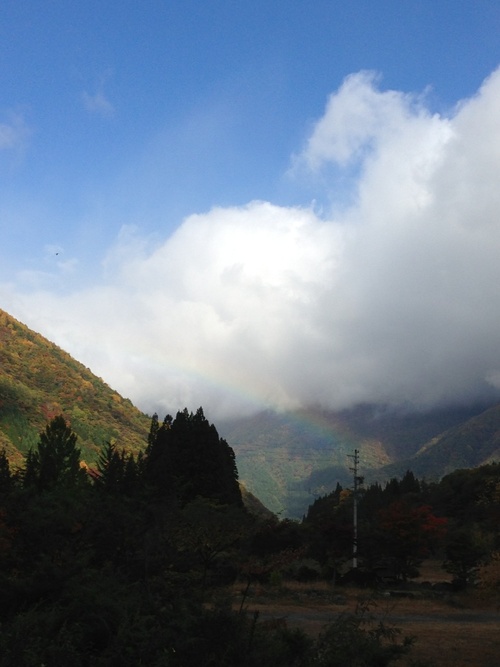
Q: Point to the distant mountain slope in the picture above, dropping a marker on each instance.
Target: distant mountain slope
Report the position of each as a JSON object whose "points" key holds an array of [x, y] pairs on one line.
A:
{"points": [[470, 444], [38, 380], [403, 433], [289, 459]]}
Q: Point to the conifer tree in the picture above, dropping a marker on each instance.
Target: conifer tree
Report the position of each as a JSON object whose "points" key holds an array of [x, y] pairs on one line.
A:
{"points": [[153, 431], [186, 459], [56, 460], [6, 479], [131, 474], [156, 465], [111, 469]]}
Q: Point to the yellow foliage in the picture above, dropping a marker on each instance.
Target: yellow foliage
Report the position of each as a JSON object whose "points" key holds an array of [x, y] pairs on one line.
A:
{"points": [[345, 494]]}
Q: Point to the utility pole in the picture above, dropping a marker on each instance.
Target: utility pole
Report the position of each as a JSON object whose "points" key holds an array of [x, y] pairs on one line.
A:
{"points": [[357, 481]]}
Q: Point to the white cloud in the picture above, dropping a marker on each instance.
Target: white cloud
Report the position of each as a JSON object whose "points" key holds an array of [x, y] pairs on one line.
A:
{"points": [[395, 300], [359, 118], [97, 103], [13, 133], [8, 136]]}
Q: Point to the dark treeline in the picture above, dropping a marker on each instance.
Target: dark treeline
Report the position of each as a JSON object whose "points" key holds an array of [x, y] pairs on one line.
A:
{"points": [[126, 563], [407, 521]]}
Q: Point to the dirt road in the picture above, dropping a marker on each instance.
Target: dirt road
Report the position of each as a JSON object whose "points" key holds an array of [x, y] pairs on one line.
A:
{"points": [[449, 631]]}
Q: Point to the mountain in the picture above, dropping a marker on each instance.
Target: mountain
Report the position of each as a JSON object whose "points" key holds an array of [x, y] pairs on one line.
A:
{"points": [[287, 460], [470, 444], [38, 381]]}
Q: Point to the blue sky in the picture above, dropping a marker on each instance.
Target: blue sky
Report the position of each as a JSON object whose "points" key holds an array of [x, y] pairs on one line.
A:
{"points": [[120, 120]]}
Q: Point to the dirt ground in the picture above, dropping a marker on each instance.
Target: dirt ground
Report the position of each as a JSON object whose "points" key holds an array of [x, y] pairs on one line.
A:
{"points": [[450, 629]]}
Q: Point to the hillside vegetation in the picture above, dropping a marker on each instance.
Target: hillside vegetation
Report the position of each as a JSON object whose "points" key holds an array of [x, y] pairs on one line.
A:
{"points": [[289, 459], [38, 381]]}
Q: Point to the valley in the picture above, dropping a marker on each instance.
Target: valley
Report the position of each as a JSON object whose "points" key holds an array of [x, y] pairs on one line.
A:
{"points": [[286, 460]]}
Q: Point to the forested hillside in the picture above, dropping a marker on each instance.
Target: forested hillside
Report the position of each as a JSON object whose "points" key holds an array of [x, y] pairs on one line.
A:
{"points": [[472, 443], [38, 381], [289, 459]]}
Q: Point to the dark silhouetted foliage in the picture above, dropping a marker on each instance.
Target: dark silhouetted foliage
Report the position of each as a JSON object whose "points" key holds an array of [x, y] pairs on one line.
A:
{"points": [[126, 564], [186, 458], [56, 459]]}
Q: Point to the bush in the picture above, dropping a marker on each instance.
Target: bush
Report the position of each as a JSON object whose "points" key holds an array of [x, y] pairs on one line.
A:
{"points": [[356, 640]]}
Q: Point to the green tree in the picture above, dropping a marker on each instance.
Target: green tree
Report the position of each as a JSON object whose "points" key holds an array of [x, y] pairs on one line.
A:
{"points": [[132, 474], [6, 478], [465, 549], [186, 458], [156, 467], [56, 460], [153, 430], [110, 469], [209, 532], [328, 530]]}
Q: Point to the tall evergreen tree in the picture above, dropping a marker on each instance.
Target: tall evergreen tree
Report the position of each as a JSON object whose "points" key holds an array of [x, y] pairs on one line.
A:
{"points": [[6, 478], [156, 465], [56, 460], [111, 469], [153, 431], [188, 459], [131, 474]]}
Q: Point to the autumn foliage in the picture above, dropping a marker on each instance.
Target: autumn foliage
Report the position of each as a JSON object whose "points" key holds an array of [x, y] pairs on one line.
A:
{"points": [[410, 534]]}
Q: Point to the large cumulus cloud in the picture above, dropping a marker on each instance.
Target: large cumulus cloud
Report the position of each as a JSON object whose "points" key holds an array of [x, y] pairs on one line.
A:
{"points": [[391, 298]]}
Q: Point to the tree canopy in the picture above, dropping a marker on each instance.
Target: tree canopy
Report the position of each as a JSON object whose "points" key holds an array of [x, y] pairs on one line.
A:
{"points": [[186, 458], [56, 459]]}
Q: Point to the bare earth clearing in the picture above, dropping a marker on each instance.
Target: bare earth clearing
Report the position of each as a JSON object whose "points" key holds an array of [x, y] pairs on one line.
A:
{"points": [[450, 629]]}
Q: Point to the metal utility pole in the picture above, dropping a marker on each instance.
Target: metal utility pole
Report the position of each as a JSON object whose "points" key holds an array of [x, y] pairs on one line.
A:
{"points": [[357, 481]]}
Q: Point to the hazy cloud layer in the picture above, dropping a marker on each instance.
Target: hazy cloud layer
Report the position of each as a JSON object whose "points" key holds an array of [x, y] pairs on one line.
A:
{"points": [[13, 133], [98, 102], [396, 299]]}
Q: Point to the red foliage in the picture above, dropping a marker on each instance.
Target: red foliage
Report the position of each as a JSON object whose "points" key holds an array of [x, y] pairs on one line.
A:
{"points": [[414, 529]]}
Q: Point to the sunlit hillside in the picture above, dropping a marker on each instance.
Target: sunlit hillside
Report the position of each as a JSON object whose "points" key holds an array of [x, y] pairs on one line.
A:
{"points": [[38, 380]]}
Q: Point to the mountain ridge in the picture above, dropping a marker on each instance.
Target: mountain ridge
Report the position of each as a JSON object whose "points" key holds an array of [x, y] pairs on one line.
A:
{"points": [[473, 443], [288, 483], [39, 380]]}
